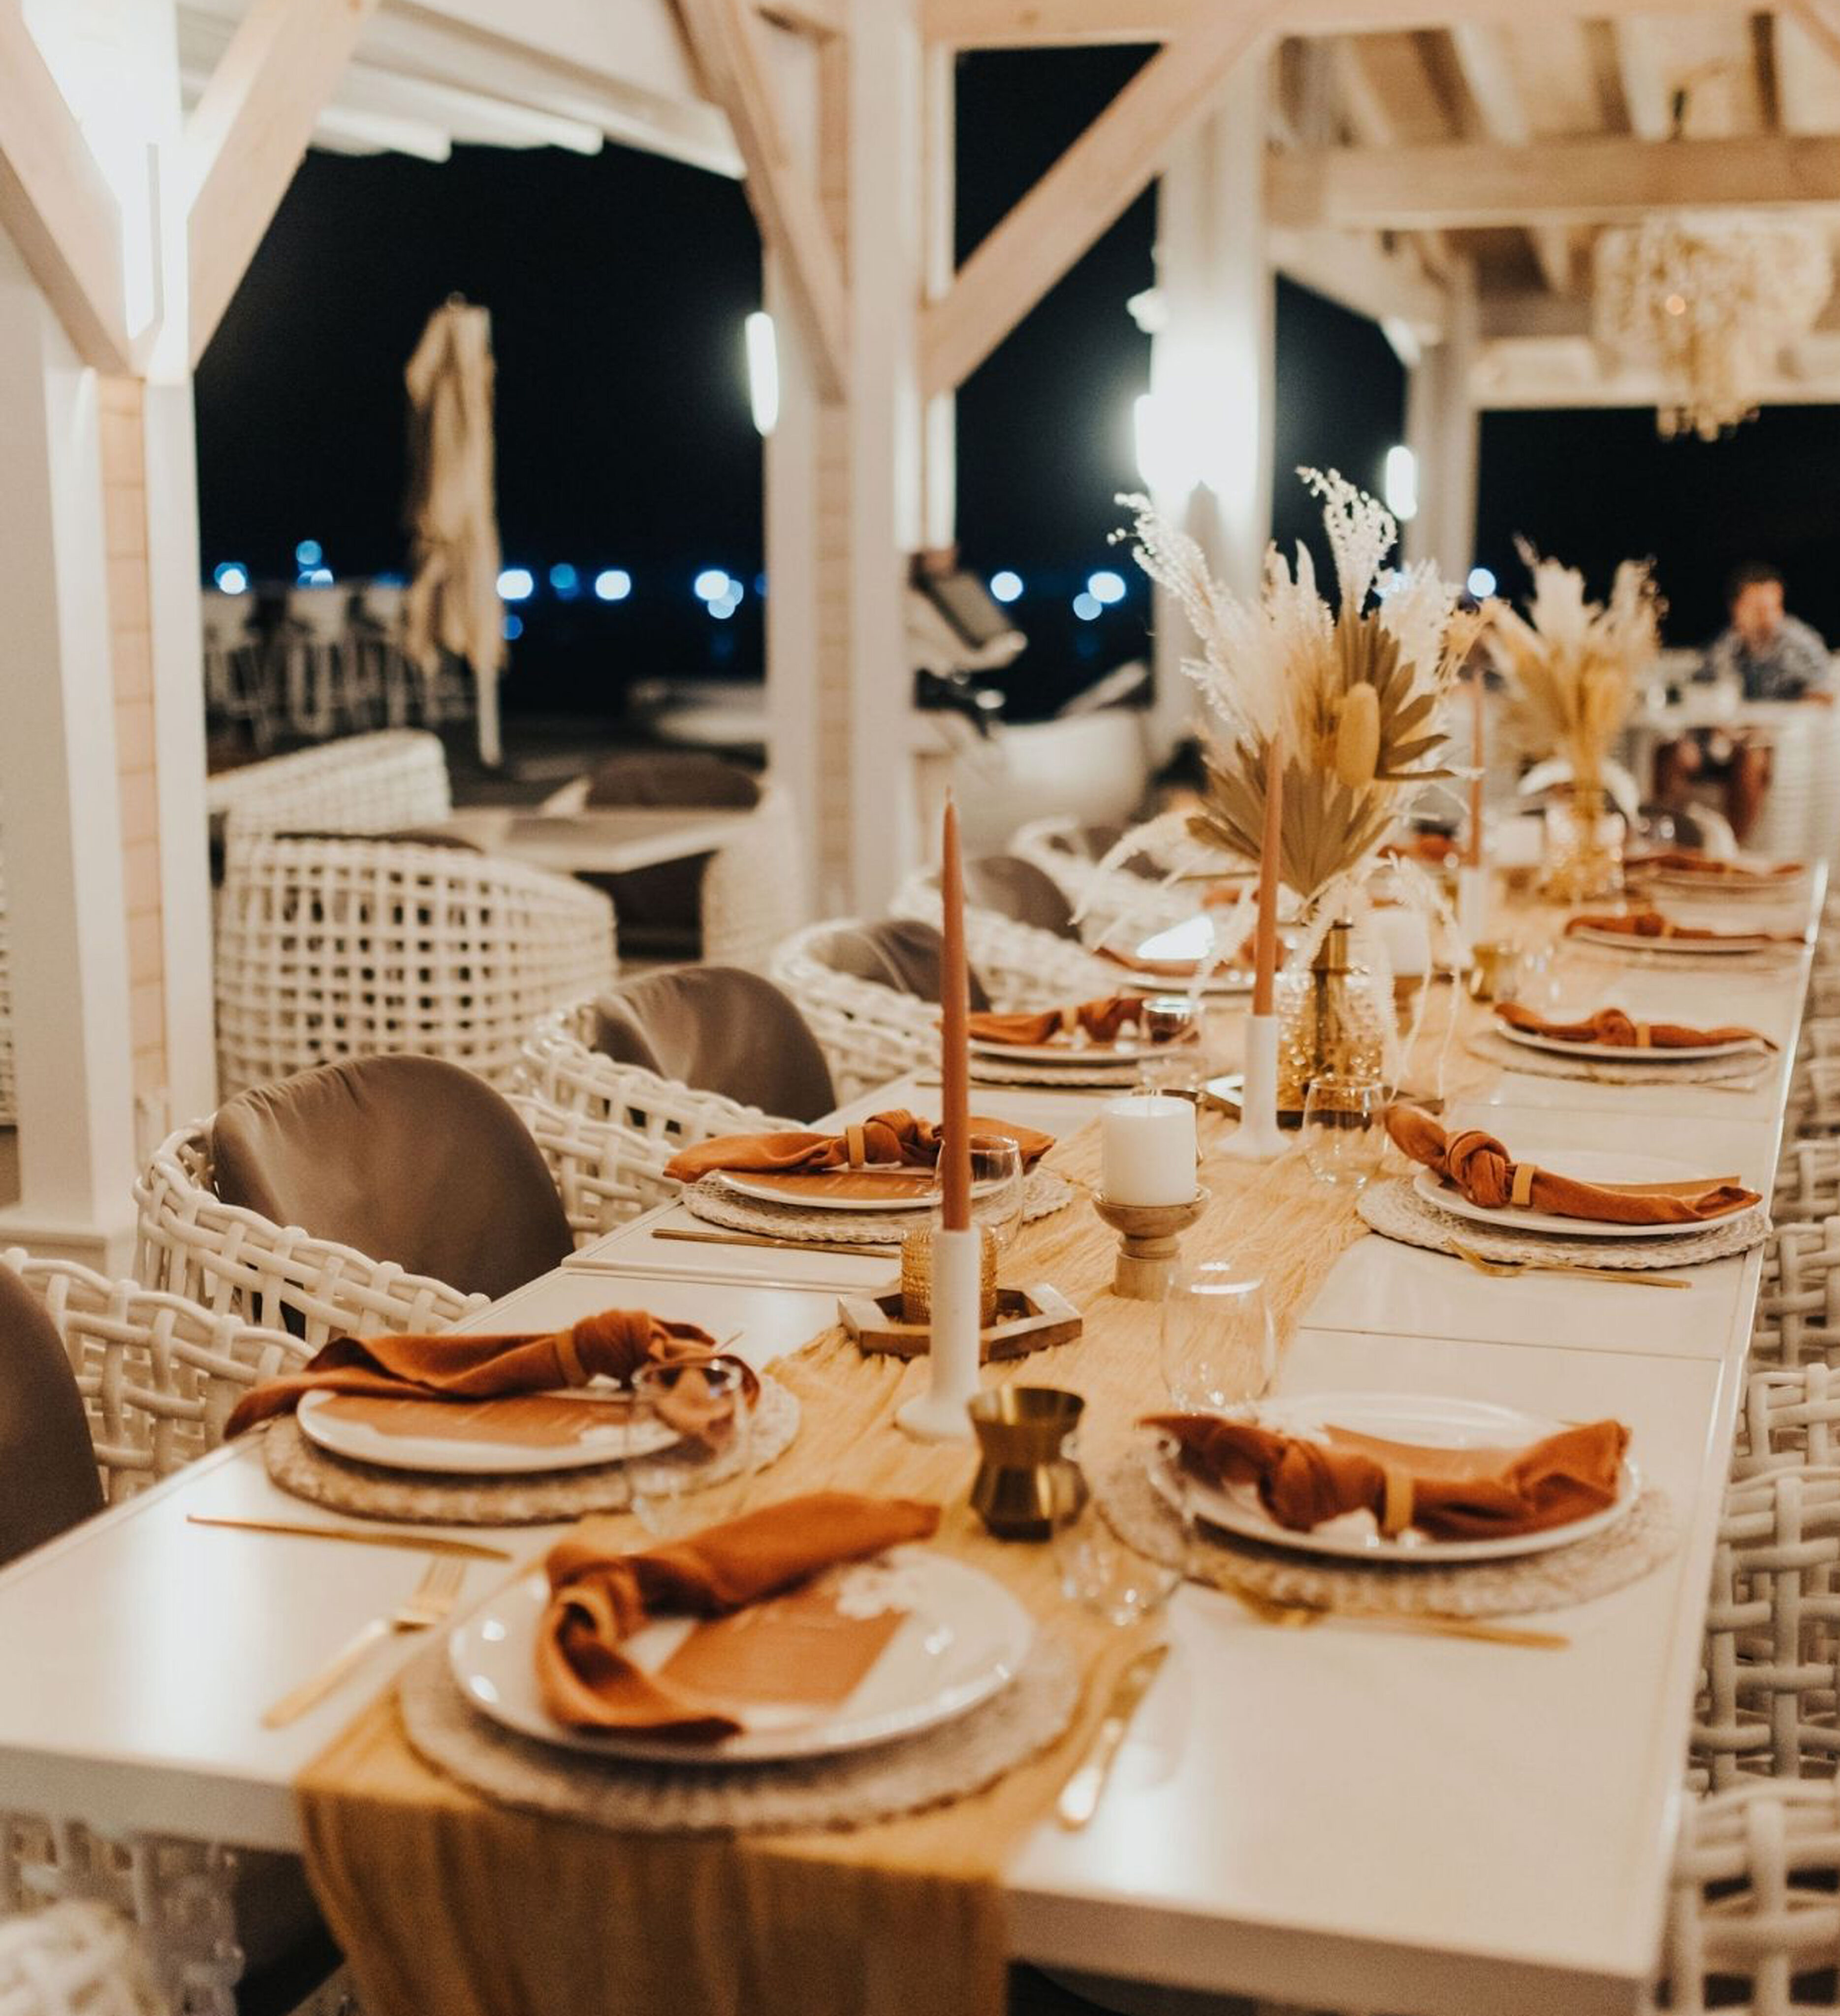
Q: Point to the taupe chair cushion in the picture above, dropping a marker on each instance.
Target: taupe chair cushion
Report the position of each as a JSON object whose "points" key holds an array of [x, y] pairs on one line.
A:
{"points": [[720, 1029], [902, 953], [48, 1474], [1018, 889], [409, 1159], [674, 777], [660, 909]]}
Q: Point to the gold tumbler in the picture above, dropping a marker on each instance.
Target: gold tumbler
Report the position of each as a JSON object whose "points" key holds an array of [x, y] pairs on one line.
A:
{"points": [[916, 1276]]}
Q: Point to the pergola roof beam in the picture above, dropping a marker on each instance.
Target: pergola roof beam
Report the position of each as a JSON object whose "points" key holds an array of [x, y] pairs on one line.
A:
{"points": [[1489, 76]]}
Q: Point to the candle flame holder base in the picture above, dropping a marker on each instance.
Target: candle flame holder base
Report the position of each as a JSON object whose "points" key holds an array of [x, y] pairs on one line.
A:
{"points": [[1258, 1138], [1150, 1244]]}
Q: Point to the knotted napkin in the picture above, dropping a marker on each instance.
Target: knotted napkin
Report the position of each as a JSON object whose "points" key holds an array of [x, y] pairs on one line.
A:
{"points": [[1677, 863], [1622, 1032], [898, 1138], [613, 1344], [1652, 924], [599, 1596], [1482, 1168], [1450, 1494], [1101, 1020]]}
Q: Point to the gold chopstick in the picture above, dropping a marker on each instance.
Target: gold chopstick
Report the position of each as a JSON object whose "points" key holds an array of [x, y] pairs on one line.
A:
{"points": [[432, 1543], [868, 1250]]}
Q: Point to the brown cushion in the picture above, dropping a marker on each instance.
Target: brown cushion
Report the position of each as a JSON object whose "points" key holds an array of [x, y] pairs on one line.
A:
{"points": [[722, 1030], [1017, 889], [409, 1159], [674, 777], [48, 1474], [902, 953]]}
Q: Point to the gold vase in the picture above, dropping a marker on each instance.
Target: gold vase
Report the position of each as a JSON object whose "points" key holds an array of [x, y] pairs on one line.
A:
{"points": [[1583, 853], [1332, 1018]]}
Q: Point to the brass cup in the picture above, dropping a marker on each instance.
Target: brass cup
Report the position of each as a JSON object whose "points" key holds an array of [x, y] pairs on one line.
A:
{"points": [[1024, 1485], [1494, 966]]}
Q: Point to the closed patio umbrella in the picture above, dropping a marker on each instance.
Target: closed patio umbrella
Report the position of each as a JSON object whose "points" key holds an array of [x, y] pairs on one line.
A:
{"points": [[453, 604]]}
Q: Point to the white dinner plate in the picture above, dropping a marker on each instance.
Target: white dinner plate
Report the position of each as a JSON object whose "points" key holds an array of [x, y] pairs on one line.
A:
{"points": [[765, 1191], [1717, 889], [363, 1443], [1434, 1420], [1719, 948], [1590, 1166], [1624, 1054], [1122, 1052], [963, 1638]]}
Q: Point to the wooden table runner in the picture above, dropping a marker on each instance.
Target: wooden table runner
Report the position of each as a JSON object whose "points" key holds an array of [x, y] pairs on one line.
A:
{"points": [[444, 1903]]}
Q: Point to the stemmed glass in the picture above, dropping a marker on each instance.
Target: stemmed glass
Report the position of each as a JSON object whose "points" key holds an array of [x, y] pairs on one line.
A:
{"points": [[1218, 1344], [692, 1425]]}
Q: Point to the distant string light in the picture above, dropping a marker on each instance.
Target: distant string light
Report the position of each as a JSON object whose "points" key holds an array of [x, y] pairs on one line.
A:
{"points": [[1086, 608], [308, 555], [1401, 483], [1481, 583], [1106, 587], [1006, 584], [231, 576], [564, 580], [513, 628], [763, 371], [612, 585], [319, 577], [711, 586], [517, 584]]}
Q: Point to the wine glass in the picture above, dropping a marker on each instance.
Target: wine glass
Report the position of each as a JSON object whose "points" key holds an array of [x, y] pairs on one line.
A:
{"points": [[1344, 1128], [1219, 1346], [1103, 1573], [693, 1424], [997, 1186]]}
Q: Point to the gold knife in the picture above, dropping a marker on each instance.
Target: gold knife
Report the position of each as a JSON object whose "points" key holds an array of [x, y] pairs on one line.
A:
{"points": [[1081, 1795], [846, 1249], [432, 1543]]}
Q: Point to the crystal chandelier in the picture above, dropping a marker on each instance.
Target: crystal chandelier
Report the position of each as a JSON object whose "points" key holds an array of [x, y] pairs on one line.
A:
{"points": [[1712, 301]]}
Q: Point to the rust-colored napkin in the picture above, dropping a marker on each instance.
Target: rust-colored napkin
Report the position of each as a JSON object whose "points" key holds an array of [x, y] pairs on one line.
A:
{"points": [[613, 1344], [1101, 1020], [1472, 1494], [898, 1137], [1652, 924], [600, 1595], [1612, 1026], [1677, 863], [1482, 1168]]}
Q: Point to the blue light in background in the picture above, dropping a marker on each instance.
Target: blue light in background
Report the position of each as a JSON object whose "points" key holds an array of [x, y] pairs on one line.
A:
{"points": [[317, 576], [308, 555], [1006, 584], [231, 576], [1086, 608], [613, 584], [760, 586], [513, 628], [565, 581], [1482, 583], [711, 585], [515, 584], [1106, 587], [722, 611]]}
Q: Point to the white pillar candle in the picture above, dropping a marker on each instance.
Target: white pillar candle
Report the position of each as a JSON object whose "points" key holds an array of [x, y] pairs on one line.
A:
{"points": [[1407, 938], [1147, 1150]]}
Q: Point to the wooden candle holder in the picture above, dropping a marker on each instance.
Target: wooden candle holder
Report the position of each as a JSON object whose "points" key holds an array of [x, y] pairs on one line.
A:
{"points": [[1150, 1244]]}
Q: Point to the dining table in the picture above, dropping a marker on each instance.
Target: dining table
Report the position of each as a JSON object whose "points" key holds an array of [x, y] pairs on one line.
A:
{"points": [[609, 839], [1349, 1817]]}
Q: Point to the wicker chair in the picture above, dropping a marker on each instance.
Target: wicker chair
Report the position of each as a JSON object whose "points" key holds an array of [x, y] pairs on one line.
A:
{"points": [[78, 1958], [335, 947], [1120, 903], [869, 1033], [8, 1085], [363, 783], [1807, 1182], [1021, 965], [1753, 1921], [237, 1263], [754, 889], [1798, 1320]]}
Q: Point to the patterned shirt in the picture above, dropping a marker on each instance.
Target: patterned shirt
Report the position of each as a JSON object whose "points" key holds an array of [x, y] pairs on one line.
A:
{"points": [[1794, 662]]}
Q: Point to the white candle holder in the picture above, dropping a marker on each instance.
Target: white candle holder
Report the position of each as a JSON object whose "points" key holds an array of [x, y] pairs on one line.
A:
{"points": [[1150, 1244], [1472, 905], [1258, 1138], [938, 1414]]}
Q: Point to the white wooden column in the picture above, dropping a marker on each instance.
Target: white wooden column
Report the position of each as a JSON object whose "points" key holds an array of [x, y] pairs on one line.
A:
{"points": [[939, 183], [1213, 365], [59, 808], [1442, 430]]}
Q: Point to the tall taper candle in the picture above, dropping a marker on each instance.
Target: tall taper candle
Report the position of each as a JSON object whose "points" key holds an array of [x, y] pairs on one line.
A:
{"points": [[1478, 757], [955, 1068], [1265, 938]]}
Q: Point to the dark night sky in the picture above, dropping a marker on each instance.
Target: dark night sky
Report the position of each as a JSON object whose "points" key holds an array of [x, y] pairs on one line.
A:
{"points": [[617, 285]]}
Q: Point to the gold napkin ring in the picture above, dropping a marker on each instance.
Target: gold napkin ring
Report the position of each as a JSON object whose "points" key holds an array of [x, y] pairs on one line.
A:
{"points": [[856, 1145], [1395, 1511], [1070, 1021], [1644, 1039], [569, 1358], [1522, 1188]]}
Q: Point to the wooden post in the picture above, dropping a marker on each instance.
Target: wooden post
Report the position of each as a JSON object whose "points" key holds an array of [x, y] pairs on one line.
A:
{"points": [[1442, 430]]}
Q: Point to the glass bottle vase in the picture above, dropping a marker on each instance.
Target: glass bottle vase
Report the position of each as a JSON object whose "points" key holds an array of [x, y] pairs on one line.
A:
{"points": [[1583, 861], [1332, 1019]]}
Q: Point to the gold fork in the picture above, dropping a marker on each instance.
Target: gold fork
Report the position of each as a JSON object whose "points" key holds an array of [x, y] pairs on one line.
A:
{"points": [[1300, 1616], [428, 1604], [1507, 1270]]}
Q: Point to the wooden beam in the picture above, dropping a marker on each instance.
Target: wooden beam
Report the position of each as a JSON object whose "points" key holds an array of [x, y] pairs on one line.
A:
{"points": [[55, 205], [1362, 275], [1489, 76], [1519, 315], [1645, 95], [1567, 372], [725, 39], [823, 18], [1015, 24], [247, 133], [1087, 189], [1478, 187]]}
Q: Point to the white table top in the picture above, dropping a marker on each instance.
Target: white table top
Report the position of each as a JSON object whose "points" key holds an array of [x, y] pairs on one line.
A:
{"points": [[604, 840], [1342, 1816]]}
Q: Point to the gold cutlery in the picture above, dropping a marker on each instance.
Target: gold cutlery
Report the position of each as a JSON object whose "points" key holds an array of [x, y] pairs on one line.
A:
{"points": [[433, 1596], [471, 1550], [1086, 1786], [868, 1250], [1507, 1270], [1301, 1616]]}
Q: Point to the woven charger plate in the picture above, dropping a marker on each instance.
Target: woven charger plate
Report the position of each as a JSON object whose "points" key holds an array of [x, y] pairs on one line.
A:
{"points": [[418, 1498], [1553, 1580], [1042, 1194], [1084, 1077], [1393, 1208], [950, 1762], [1497, 1049]]}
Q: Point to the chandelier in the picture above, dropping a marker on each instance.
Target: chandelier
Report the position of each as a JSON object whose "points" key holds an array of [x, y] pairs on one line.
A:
{"points": [[1711, 302]]}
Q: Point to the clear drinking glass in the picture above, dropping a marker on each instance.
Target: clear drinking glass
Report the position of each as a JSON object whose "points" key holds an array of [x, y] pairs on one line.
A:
{"points": [[1344, 1130], [1173, 1056], [997, 1182], [1100, 1572], [693, 1426], [1219, 1345]]}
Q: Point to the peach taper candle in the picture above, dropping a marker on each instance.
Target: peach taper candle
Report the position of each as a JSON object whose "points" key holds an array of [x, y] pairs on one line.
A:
{"points": [[954, 1065], [1265, 940]]}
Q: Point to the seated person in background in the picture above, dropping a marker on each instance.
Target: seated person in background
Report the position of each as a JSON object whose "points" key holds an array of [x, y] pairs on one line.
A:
{"points": [[1768, 655]]}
